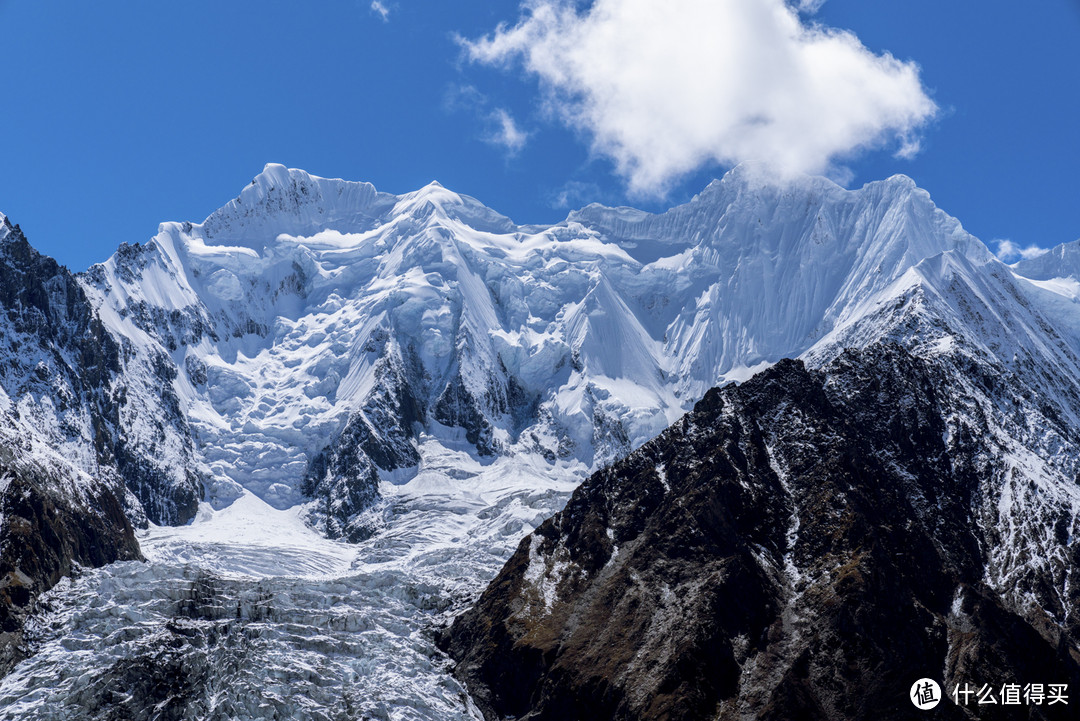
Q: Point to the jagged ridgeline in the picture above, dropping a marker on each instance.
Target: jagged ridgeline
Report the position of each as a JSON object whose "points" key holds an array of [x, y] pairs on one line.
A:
{"points": [[420, 369]]}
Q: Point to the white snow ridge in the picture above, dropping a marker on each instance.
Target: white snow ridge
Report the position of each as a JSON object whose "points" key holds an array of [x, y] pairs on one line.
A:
{"points": [[422, 376]]}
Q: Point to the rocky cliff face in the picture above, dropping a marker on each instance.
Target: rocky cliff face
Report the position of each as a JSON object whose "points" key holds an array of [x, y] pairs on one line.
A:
{"points": [[805, 545], [64, 458], [73, 398]]}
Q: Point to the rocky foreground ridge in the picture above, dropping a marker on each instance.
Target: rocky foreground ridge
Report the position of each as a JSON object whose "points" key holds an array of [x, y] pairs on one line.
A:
{"points": [[802, 546]]}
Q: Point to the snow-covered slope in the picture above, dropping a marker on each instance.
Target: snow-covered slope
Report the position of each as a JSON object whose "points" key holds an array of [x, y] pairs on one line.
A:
{"points": [[318, 328]]}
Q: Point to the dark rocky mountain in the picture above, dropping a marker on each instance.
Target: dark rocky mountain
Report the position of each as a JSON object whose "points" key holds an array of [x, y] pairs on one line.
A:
{"points": [[75, 474], [72, 385], [803, 546], [63, 458]]}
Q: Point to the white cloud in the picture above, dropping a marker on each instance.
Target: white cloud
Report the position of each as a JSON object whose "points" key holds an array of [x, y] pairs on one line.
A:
{"points": [[574, 194], [1010, 252], [381, 9], [507, 134], [810, 6], [665, 88], [463, 97], [500, 128]]}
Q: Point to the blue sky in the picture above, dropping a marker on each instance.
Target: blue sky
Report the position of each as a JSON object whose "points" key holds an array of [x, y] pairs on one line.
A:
{"points": [[119, 115]]}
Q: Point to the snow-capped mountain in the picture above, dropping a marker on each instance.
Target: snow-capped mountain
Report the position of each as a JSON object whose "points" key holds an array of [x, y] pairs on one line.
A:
{"points": [[973, 438], [420, 369], [318, 329]]}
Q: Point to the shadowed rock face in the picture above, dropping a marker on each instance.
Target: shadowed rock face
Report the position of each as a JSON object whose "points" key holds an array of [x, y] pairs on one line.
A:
{"points": [[44, 534], [803, 546]]}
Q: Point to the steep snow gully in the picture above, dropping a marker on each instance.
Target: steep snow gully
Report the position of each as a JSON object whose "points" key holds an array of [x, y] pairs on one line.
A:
{"points": [[330, 415]]}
